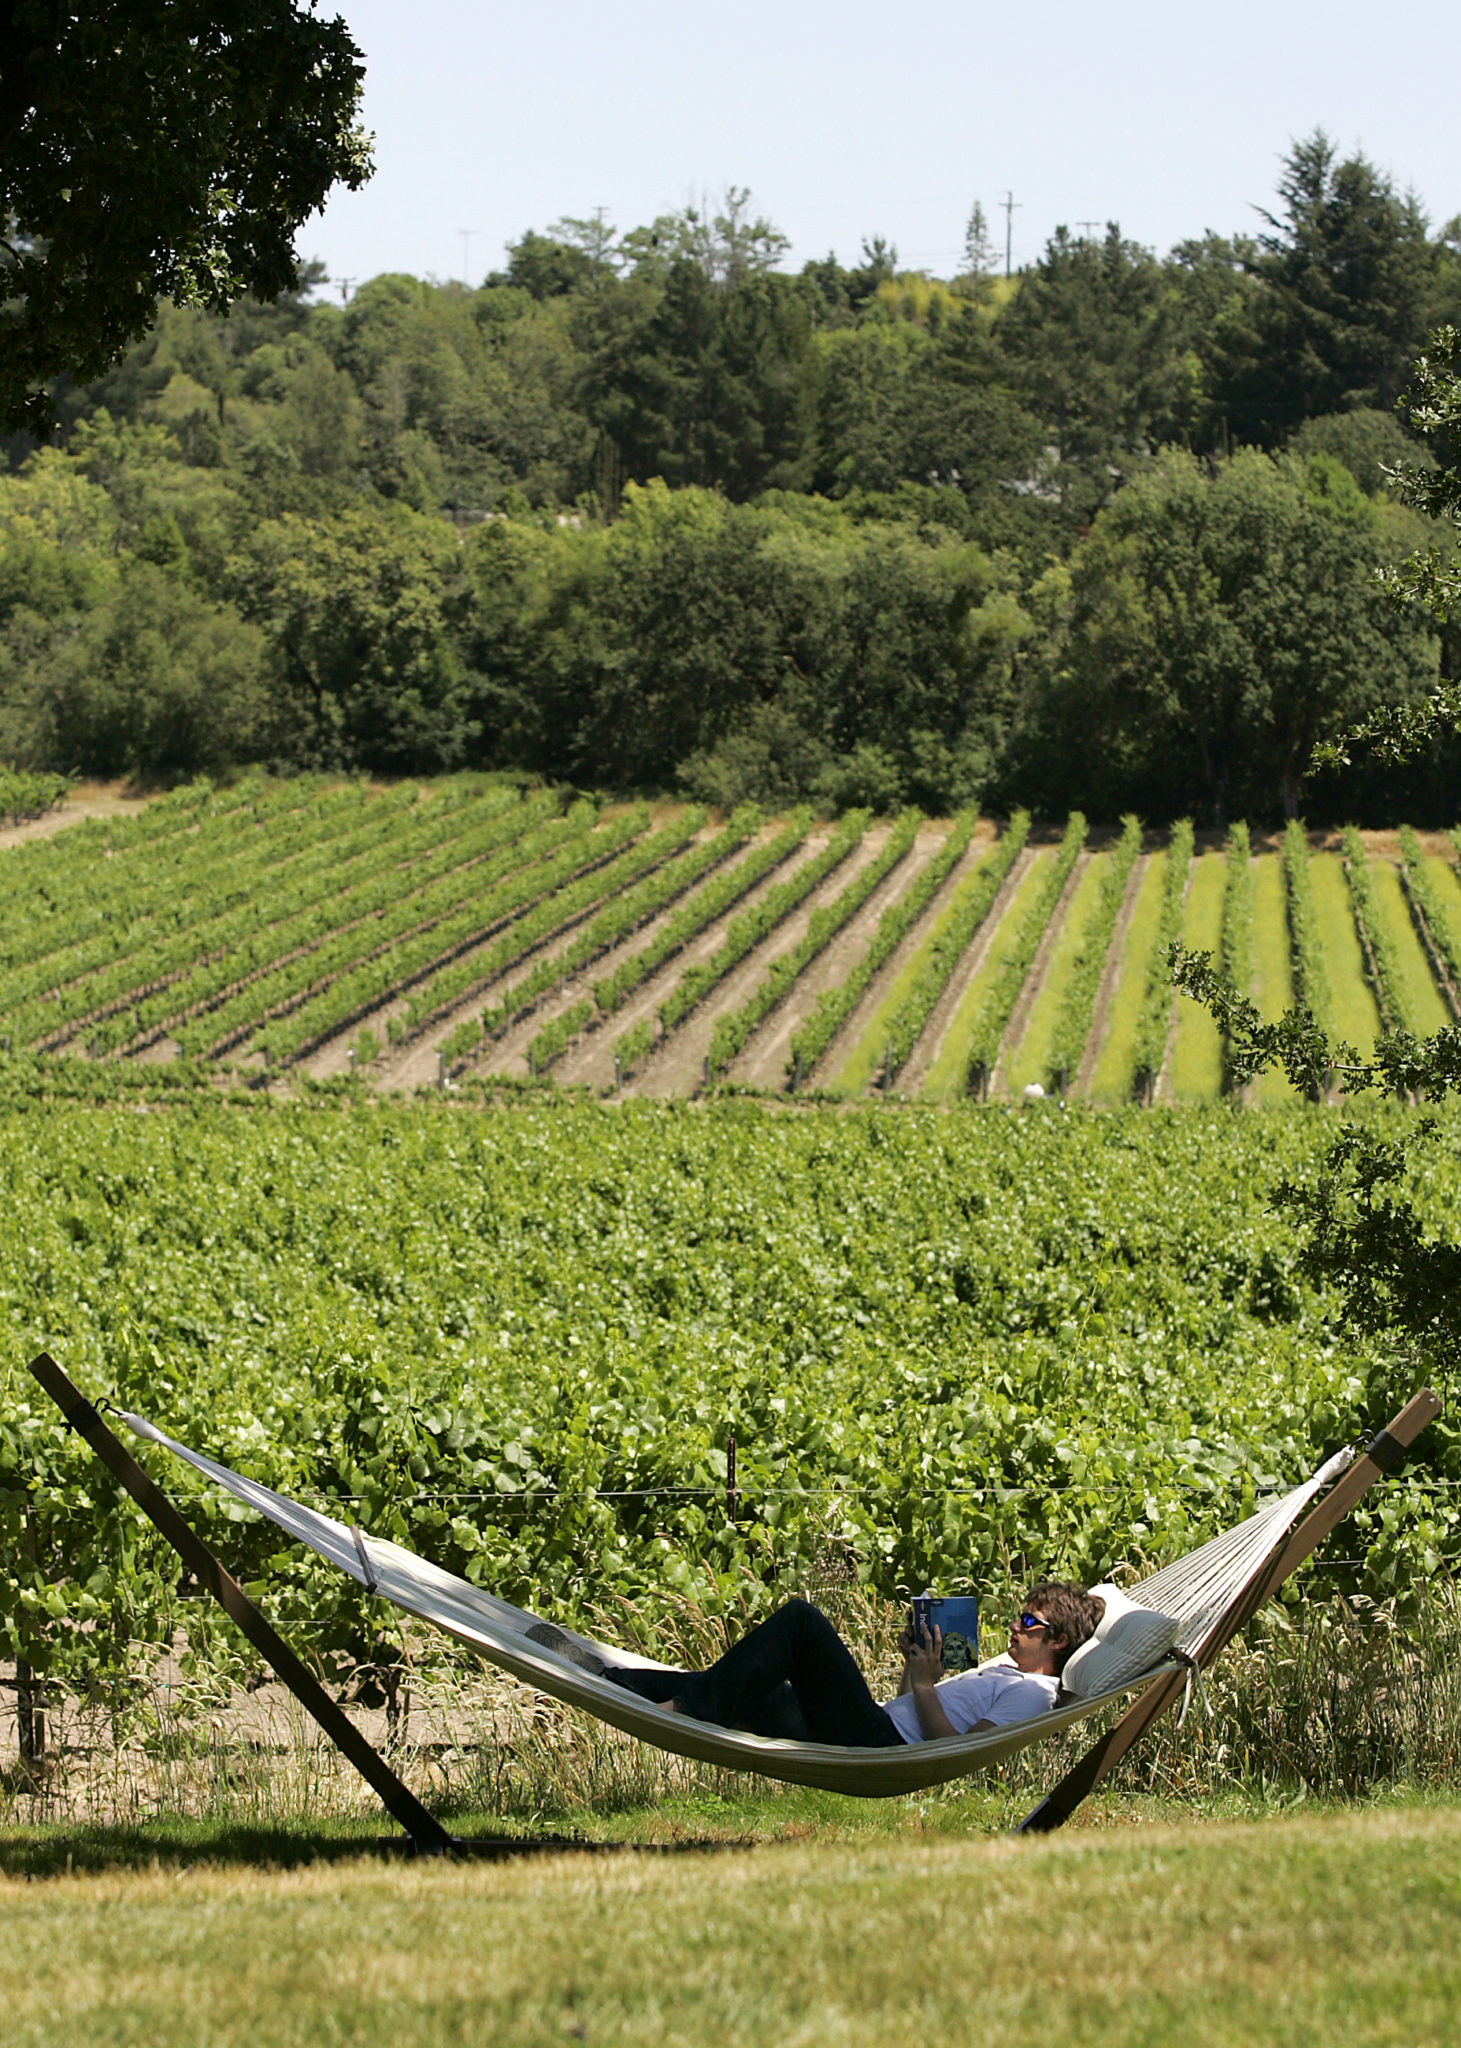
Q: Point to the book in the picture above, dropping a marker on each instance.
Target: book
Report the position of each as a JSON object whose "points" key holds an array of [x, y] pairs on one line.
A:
{"points": [[958, 1620]]}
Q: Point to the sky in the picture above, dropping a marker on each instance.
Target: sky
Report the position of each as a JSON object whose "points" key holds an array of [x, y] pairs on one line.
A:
{"points": [[856, 120]]}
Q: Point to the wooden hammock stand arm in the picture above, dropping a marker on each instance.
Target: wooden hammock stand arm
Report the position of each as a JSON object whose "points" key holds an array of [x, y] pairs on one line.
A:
{"points": [[1385, 1453], [426, 1834]]}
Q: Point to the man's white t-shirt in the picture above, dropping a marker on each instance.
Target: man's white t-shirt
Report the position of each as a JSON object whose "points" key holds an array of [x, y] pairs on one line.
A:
{"points": [[998, 1691]]}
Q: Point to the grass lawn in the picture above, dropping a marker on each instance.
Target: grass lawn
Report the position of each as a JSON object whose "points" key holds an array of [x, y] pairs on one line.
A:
{"points": [[1421, 1007], [1353, 1007], [1273, 979], [1295, 1930], [945, 1077], [863, 1061], [1032, 1061], [1197, 1055]]}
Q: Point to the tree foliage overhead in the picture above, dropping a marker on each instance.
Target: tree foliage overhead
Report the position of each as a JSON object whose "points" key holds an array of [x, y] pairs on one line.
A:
{"points": [[157, 148]]}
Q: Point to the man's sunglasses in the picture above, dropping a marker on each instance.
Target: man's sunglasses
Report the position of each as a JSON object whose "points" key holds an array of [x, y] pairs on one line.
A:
{"points": [[1028, 1623]]}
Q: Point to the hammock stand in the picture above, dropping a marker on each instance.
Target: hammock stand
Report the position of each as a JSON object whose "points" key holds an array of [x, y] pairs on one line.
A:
{"points": [[564, 1665]]}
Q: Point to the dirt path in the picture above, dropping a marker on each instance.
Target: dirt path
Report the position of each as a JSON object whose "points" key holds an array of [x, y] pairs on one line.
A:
{"points": [[1039, 974], [677, 1065], [1110, 980], [911, 1079], [590, 1062], [87, 800], [842, 1046], [764, 1062]]}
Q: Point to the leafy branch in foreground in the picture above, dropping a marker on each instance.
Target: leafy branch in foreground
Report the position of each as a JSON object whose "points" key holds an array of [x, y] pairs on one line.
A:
{"points": [[1362, 1239], [1372, 1247], [1401, 1064]]}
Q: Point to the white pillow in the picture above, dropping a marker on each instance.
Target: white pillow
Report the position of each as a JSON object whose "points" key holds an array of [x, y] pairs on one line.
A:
{"points": [[1129, 1640]]}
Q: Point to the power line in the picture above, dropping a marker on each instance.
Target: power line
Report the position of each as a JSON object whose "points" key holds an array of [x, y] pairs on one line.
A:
{"points": [[467, 235], [1009, 203]]}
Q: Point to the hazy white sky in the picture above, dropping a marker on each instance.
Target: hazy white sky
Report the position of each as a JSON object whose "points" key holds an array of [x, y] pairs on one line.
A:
{"points": [[856, 120]]}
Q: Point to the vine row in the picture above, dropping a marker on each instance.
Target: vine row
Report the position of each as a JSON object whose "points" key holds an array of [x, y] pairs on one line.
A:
{"points": [[1073, 1022], [1003, 990], [1156, 1002], [836, 1005], [1236, 945], [733, 1029], [745, 932], [949, 945], [1311, 983]]}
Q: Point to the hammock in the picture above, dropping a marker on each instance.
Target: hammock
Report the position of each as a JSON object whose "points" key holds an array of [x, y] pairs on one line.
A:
{"points": [[1201, 1592]]}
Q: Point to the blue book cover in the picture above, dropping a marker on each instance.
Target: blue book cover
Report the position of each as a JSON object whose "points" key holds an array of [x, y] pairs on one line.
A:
{"points": [[959, 1621]]}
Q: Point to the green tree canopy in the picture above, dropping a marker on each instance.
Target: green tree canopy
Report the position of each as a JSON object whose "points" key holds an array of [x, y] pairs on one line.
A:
{"points": [[1220, 625], [1351, 281], [156, 148]]}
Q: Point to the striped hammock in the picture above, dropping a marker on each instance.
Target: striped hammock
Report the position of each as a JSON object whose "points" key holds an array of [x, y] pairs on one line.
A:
{"points": [[1200, 1591]]}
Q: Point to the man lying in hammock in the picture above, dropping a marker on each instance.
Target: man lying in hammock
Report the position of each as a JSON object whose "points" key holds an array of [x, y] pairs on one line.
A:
{"points": [[794, 1678]]}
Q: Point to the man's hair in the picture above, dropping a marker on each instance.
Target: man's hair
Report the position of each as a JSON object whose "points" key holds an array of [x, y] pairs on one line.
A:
{"points": [[1070, 1610]]}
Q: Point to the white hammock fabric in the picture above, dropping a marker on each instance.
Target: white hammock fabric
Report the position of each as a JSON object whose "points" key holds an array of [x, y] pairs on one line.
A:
{"points": [[1199, 1591]]}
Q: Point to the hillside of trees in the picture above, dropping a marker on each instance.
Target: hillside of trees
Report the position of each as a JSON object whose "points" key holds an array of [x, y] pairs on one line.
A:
{"points": [[647, 510]]}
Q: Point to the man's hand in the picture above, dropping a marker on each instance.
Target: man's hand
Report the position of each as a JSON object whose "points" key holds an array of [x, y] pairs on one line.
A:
{"points": [[922, 1660], [922, 1670]]}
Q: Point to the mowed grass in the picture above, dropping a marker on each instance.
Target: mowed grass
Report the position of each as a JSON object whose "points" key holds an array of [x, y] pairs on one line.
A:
{"points": [[866, 1056], [1273, 976], [1032, 1061], [1352, 1006], [1294, 1931], [1197, 1054], [1447, 885], [944, 1079], [1418, 998], [1115, 1067]]}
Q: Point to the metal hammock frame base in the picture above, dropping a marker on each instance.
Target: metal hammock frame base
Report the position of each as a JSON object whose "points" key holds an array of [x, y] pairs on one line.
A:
{"points": [[427, 1836]]}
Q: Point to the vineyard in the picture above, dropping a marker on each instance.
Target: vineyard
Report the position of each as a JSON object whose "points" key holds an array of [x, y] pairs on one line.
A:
{"points": [[958, 1348], [275, 935], [952, 1347]]}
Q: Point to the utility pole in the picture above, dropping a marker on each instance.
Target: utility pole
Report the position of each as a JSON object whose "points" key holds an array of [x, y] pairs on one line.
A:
{"points": [[1087, 226], [345, 284], [467, 235], [1009, 203]]}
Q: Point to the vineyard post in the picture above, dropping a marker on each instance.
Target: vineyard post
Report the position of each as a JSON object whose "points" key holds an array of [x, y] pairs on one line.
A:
{"points": [[440, 1068], [30, 1712], [618, 1071], [730, 1477]]}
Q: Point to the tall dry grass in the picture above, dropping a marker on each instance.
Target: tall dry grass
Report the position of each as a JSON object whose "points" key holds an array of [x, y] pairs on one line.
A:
{"points": [[1329, 1698]]}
